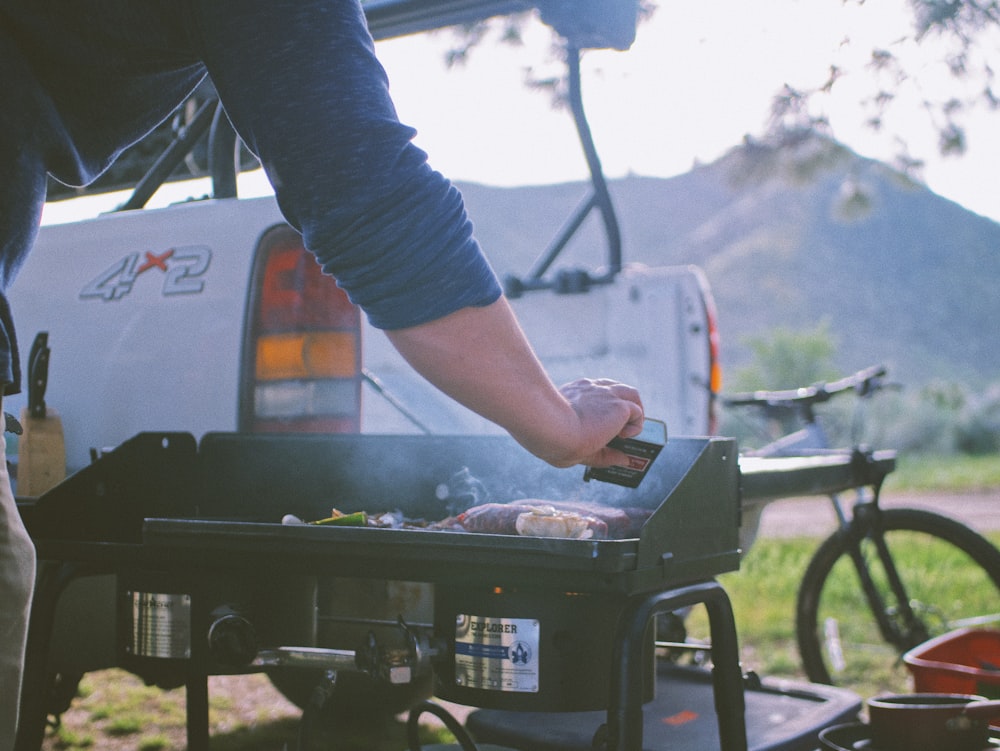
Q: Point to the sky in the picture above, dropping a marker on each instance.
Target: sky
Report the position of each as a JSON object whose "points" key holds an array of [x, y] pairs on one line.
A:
{"points": [[700, 76]]}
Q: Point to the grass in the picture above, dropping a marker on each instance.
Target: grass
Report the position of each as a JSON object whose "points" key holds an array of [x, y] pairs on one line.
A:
{"points": [[764, 591], [114, 711], [64, 738], [763, 598], [951, 473]]}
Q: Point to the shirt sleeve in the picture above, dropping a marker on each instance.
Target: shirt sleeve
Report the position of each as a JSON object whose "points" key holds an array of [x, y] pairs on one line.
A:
{"points": [[302, 86]]}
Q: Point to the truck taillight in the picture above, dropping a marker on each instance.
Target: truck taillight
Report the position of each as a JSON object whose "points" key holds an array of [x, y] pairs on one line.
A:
{"points": [[302, 355], [714, 364]]}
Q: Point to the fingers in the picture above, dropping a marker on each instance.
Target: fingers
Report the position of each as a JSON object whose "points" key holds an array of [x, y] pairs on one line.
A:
{"points": [[605, 409], [607, 457], [636, 417]]}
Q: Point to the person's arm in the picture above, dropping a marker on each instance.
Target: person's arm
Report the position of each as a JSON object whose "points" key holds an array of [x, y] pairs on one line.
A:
{"points": [[480, 357]]}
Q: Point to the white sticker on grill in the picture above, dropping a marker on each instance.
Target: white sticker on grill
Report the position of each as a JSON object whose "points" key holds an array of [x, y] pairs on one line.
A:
{"points": [[497, 654]]}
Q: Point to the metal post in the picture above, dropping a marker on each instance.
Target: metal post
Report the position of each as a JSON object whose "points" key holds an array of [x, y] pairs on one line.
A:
{"points": [[625, 710], [196, 701], [52, 581]]}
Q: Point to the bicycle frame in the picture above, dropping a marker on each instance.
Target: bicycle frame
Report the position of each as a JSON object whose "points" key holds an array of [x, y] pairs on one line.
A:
{"points": [[861, 522], [811, 439], [863, 536], [865, 524]]}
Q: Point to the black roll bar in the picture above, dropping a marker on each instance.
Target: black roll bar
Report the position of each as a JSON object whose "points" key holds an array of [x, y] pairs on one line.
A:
{"points": [[223, 155], [184, 140], [577, 280]]}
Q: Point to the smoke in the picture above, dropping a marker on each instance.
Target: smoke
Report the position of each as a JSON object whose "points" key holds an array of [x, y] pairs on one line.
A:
{"points": [[462, 491]]}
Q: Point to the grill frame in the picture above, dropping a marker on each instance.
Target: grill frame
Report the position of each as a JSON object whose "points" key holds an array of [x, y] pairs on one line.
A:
{"points": [[221, 502], [164, 504], [692, 492]]}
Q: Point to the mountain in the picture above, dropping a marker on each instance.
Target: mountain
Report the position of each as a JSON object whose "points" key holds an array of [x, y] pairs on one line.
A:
{"points": [[901, 275]]}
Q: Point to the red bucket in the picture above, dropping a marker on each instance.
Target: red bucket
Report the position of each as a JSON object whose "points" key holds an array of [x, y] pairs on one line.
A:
{"points": [[966, 661]]}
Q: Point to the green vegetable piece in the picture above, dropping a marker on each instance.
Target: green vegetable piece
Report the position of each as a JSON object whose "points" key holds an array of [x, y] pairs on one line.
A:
{"points": [[357, 519]]}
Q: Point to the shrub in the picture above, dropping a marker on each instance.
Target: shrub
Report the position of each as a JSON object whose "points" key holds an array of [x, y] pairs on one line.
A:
{"points": [[979, 432]]}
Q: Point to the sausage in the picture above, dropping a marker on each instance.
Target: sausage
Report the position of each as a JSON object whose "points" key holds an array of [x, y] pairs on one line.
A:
{"points": [[604, 522]]}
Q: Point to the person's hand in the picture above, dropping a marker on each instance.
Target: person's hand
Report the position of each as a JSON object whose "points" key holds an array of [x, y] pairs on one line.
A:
{"points": [[605, 409], [481, 358]]}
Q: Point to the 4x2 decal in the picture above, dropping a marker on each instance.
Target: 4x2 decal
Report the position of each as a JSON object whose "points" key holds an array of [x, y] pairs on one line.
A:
{"points": [[183, 267]]}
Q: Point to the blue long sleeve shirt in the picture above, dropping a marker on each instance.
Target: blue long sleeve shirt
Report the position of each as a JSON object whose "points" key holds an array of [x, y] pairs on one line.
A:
{"points": [[81, 81]]}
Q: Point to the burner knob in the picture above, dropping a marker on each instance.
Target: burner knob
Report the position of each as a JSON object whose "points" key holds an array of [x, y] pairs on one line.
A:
{"points": [[232, 640]]}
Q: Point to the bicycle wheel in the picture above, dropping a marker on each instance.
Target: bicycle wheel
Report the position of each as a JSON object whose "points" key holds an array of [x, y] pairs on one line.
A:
{"points": [[950, 576]]}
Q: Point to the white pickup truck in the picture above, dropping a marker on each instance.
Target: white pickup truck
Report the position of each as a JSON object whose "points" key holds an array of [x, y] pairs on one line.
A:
{"points": [[209, 315]]}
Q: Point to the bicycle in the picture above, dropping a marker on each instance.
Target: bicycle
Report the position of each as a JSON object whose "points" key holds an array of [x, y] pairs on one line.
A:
{"points": [[900, 565]]}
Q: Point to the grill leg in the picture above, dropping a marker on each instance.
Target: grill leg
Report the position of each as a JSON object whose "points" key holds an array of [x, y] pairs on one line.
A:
{"points": [[625, 710], [52, 581], [196, 700]]}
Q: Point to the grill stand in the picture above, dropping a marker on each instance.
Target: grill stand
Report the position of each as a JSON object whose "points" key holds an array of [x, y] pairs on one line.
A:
{"points": [[624, 727], [51, 583], [162, 506], [33, 713], [196, 708]]}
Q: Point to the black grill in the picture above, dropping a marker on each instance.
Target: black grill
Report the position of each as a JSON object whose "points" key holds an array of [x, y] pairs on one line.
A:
{"points": [[210, 581]]}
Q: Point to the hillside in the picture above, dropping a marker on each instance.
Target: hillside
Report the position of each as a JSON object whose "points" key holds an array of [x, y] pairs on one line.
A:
{"points": [[910, 281]]}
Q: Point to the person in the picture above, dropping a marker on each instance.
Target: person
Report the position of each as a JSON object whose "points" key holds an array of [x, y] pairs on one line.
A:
{"points": [[300, 83]]}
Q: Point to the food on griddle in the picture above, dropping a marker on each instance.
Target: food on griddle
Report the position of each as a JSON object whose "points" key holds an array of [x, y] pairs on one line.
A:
{"points": [[502, 519], [546, 521], [340, 519], [604, 522], [394, 520], [529, 518]]}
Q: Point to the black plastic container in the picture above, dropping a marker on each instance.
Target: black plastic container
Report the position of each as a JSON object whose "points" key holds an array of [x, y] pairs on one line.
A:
{"points": [[780, 716]]}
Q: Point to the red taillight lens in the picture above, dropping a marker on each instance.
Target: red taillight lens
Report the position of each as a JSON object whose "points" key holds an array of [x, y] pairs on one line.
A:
{"points": [[714, 364], [302, 355], [294, 292]]}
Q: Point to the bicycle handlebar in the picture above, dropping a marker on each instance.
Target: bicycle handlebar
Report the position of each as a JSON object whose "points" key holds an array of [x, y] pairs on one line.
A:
{"points": [[865, 383]]}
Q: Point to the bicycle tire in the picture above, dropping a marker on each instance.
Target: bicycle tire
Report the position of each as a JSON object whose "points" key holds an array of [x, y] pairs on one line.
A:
{"points": [[912, 535]]}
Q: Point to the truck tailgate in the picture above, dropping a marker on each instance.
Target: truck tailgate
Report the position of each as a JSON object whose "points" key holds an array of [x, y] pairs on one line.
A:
{"points": [[145, 313]]}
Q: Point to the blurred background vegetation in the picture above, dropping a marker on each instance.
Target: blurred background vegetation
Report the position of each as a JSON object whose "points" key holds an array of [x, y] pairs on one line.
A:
{"points": [[941, 418]]}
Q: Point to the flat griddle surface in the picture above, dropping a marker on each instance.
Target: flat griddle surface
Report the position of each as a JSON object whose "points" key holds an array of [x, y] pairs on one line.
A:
{"points": [[396, 553]]}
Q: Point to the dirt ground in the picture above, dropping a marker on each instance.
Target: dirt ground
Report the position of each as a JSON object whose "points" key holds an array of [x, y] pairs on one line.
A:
{"points": [[814, 516]]}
